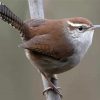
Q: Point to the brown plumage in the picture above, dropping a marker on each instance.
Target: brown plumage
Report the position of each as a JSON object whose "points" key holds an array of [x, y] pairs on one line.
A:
{"points": [[47, 42]]}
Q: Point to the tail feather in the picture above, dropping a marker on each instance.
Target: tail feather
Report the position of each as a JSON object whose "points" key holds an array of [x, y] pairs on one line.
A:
{"points": [[8, 16]]}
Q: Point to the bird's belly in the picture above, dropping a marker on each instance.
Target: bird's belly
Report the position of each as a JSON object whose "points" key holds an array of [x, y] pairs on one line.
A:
{"points": [[55, 66], [51, 66]]}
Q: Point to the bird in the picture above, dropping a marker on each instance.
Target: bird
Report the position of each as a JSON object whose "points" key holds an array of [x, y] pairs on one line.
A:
{"points": [[53, 46]]}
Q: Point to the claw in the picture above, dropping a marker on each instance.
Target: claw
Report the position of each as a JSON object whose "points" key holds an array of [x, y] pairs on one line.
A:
{"points": [[53, 88], [51, 85], [49, 88]]}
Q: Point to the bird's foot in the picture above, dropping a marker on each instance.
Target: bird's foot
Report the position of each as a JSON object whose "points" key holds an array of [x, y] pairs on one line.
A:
{"points": [[53, 88]]}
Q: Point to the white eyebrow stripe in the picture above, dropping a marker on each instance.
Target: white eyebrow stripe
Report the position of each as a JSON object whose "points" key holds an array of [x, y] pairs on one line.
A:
{"points": [[76, 24]]}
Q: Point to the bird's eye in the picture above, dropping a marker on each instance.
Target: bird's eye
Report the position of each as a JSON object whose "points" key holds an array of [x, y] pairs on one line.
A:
{"points": [[81, 28]]}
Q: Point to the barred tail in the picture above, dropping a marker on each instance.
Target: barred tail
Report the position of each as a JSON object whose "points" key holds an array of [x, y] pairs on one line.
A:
{"points": [[8, 16]]}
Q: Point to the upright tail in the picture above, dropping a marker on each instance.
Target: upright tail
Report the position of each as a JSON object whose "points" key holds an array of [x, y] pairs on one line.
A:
{"points": [[8, 16]]}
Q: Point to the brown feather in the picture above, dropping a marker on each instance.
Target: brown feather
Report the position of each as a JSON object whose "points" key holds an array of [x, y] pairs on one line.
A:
{"points": [[48, 39]]}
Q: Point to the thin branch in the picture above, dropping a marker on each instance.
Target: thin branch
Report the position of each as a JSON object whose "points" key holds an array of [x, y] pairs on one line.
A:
{"points": [[36, 11], [36, 8]]}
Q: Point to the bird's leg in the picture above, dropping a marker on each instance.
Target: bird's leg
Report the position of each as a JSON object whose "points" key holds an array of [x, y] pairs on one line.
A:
{"points": [[52, 84]]}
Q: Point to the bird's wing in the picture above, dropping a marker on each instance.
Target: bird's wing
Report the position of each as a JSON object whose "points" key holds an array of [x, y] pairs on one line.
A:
{"points": [[47, 46], [40, 44], [47, 39]]}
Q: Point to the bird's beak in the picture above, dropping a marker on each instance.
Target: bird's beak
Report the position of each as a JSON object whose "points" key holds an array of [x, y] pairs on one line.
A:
{"points": [[95, 26]]}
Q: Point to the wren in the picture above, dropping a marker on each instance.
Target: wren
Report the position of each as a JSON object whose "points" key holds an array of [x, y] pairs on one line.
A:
{"points": [[53, 46]]}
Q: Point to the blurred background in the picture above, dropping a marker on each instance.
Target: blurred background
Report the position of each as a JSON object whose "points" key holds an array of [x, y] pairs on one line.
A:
{"points": [[18, 78]]}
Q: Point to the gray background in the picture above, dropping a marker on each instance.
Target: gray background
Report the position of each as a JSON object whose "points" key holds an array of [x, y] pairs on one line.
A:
{"points": [[20, 81]]}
